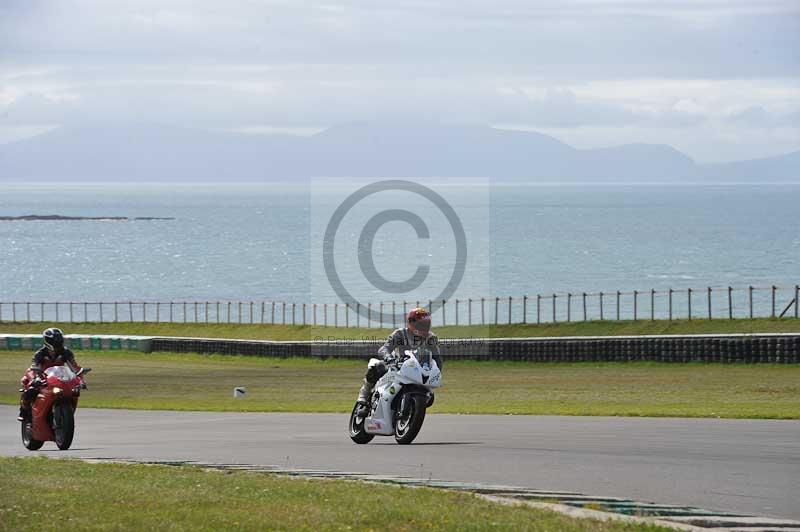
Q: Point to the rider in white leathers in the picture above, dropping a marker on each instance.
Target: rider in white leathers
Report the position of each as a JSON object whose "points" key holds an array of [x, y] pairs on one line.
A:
{"points": [[416, 333]]}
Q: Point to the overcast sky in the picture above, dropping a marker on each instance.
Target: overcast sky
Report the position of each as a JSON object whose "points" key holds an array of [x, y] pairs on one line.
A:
{"points": [[717, 80]]}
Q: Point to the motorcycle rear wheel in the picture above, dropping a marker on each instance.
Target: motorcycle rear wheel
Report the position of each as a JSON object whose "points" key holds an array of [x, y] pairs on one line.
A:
{"points": [[407, 428], [63, 425], [357, 432], [27, 439]]}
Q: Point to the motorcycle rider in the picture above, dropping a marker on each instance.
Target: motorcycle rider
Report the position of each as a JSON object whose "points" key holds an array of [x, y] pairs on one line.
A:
{"points": [[416, 333], [52, 353]]}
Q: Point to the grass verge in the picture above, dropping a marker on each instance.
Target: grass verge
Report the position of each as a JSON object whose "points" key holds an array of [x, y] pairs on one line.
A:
{"points": [[310, 332], [87, 496], [205, 382]]}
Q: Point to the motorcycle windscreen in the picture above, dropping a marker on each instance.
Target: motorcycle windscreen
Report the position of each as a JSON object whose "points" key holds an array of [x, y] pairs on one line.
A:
{"points": [[424, 357], [62, 373]]}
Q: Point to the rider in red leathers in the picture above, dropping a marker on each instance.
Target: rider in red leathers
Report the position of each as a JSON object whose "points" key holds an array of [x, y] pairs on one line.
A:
{"points": [[52, 353]]}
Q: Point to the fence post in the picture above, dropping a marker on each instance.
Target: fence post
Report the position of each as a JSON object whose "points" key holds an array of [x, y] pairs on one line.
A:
{"points": [[304, 313], [116, 314], [750, 297], [554, 308], [325, 315], [283, 312], [336, 314], [14, 311], [483, 313], [263, 308], [358, 315], [670, 304], [101, 312], [41, 311], [509, 310], [347, 314], [272, 321], [635, 305], [796, 299], [294, 305], [394, 316], [538, 309], [456, 312], [185, 319], [238, 312], [85, 313], [601, 306], [569, 307], [369, 314], [774, 288], [710, 314], [251, 312], [730, 303], [524, 310], [652, 304], [404, 309], [217, 312], [171, 305], [584, 306], [689, 302], [469, 311], [205, 312], [496, 308], [618, 294], [158, 312], [195, 312]]}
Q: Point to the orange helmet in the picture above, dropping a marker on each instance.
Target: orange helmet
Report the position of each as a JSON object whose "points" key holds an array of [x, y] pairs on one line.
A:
{"points": [[419, 321]]}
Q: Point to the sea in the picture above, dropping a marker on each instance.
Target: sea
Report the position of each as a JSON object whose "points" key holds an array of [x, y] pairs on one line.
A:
{"points": [[402, 241]]}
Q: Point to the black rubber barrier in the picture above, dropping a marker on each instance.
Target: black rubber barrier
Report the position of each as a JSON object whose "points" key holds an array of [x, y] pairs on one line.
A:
{"points": [[734, 348]]}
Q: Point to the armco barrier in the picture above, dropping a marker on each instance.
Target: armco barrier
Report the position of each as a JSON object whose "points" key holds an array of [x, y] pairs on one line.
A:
{"points": [[734, 348], [725, 348], [97, 342]]}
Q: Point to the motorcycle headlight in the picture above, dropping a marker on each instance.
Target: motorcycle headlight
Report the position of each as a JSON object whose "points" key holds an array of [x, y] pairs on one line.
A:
{"points": [[57, 390]]}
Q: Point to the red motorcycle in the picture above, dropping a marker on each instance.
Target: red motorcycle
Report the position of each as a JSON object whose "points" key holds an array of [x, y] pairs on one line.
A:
{"points": [[52, 414]]}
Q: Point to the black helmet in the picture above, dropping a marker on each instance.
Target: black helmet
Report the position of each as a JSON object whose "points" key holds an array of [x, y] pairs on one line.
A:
{"points": [[53, 338]]}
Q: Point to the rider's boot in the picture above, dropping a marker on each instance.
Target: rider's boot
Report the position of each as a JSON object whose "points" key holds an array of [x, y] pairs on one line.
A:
{"points": [[364, 396], [24, 412]]}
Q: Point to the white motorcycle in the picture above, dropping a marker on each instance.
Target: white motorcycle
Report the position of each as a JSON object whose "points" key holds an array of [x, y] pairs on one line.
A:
{"points": [[399, 399]]}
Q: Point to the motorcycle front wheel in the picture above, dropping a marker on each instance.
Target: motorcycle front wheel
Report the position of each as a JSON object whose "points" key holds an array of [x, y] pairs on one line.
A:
{"points": [[407, 427], [27, 439], [63, 425], [357, 432]]}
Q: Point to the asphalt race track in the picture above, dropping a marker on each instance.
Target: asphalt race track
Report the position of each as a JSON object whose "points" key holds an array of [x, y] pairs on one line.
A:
{"points": [[748, 466]]}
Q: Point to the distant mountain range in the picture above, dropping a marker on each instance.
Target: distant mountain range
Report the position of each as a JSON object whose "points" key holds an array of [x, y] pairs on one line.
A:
{"points": [[165, 153]]}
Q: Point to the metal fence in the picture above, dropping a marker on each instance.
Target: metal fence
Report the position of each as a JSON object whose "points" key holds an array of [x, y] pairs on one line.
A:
{"points": [[665, 304]]}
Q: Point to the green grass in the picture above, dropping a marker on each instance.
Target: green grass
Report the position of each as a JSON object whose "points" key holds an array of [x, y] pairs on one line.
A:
{"points": [[206, 382], [44, 494], [309, 332]]}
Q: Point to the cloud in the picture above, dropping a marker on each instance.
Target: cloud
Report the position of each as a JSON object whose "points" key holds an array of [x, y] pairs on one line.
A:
{"points": [[758, 117], [595, 65]]}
